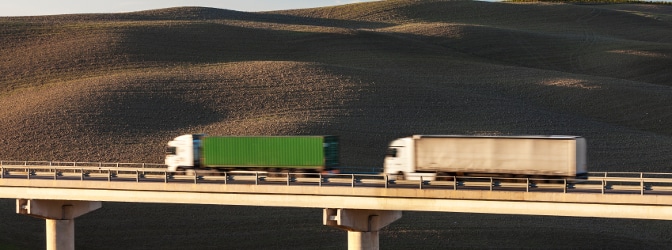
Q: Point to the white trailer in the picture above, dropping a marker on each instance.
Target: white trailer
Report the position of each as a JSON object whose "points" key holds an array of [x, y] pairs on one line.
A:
{"points": [[554, 156]]}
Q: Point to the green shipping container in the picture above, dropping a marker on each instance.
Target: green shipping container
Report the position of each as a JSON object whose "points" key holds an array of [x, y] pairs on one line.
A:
{"points": [[305, 152]]}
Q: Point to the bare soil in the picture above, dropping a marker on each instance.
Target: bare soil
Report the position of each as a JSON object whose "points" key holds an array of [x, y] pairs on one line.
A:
{"points": [[117, 87]]}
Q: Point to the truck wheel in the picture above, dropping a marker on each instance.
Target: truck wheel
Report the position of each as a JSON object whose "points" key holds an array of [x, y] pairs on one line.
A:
{"points": [[190, 172], [401, 176], [443, 176]]}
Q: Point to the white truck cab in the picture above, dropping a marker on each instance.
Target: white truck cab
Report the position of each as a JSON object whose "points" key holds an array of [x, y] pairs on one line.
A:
{"points": [[400, 161], [183, 152]]}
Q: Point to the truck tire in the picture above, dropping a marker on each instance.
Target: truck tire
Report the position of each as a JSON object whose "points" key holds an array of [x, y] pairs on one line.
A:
{"points": [[190, 172], [401, 176]]}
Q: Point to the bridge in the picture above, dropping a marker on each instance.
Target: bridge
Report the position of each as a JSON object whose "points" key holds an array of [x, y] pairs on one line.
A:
{"points": [[362, 204]]}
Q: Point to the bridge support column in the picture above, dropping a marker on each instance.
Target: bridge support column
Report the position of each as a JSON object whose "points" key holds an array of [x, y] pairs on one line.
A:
{"points": [[60, 217], [362, 225]]}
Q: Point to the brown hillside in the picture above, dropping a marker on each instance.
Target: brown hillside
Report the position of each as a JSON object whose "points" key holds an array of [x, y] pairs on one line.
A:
{"points": [[117, 87]]}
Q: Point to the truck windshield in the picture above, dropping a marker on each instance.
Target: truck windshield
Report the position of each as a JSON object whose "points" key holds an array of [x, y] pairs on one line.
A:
{"points": [[171, 150], [391, 152]]}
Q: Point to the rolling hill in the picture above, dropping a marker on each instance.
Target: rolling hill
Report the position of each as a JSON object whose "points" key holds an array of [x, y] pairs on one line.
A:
{"points": [[117, 87]]}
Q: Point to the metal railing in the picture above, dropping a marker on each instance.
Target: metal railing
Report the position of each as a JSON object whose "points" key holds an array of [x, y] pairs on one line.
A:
{"points": [[603, 182], [81, 164]]}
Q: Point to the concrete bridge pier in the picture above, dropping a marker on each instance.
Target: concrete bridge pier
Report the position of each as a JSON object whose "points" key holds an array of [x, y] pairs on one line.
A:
{"points": [[362, 225], [60, 216]]}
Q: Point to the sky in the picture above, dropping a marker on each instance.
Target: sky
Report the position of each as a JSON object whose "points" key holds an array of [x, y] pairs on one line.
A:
{"points": [[55, 7]]}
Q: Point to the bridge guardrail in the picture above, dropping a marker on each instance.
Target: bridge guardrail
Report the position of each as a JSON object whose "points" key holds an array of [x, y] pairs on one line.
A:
{"points": [[606, 182], [631, 174], [81, 164]]}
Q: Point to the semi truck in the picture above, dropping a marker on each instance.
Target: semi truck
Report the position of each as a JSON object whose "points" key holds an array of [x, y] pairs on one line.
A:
{"points": [[429, 156], [412, 158], [299, 153]]}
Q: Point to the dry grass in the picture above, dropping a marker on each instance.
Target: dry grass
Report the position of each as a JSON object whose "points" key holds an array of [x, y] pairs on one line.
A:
{"points": [[116, 87]]}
